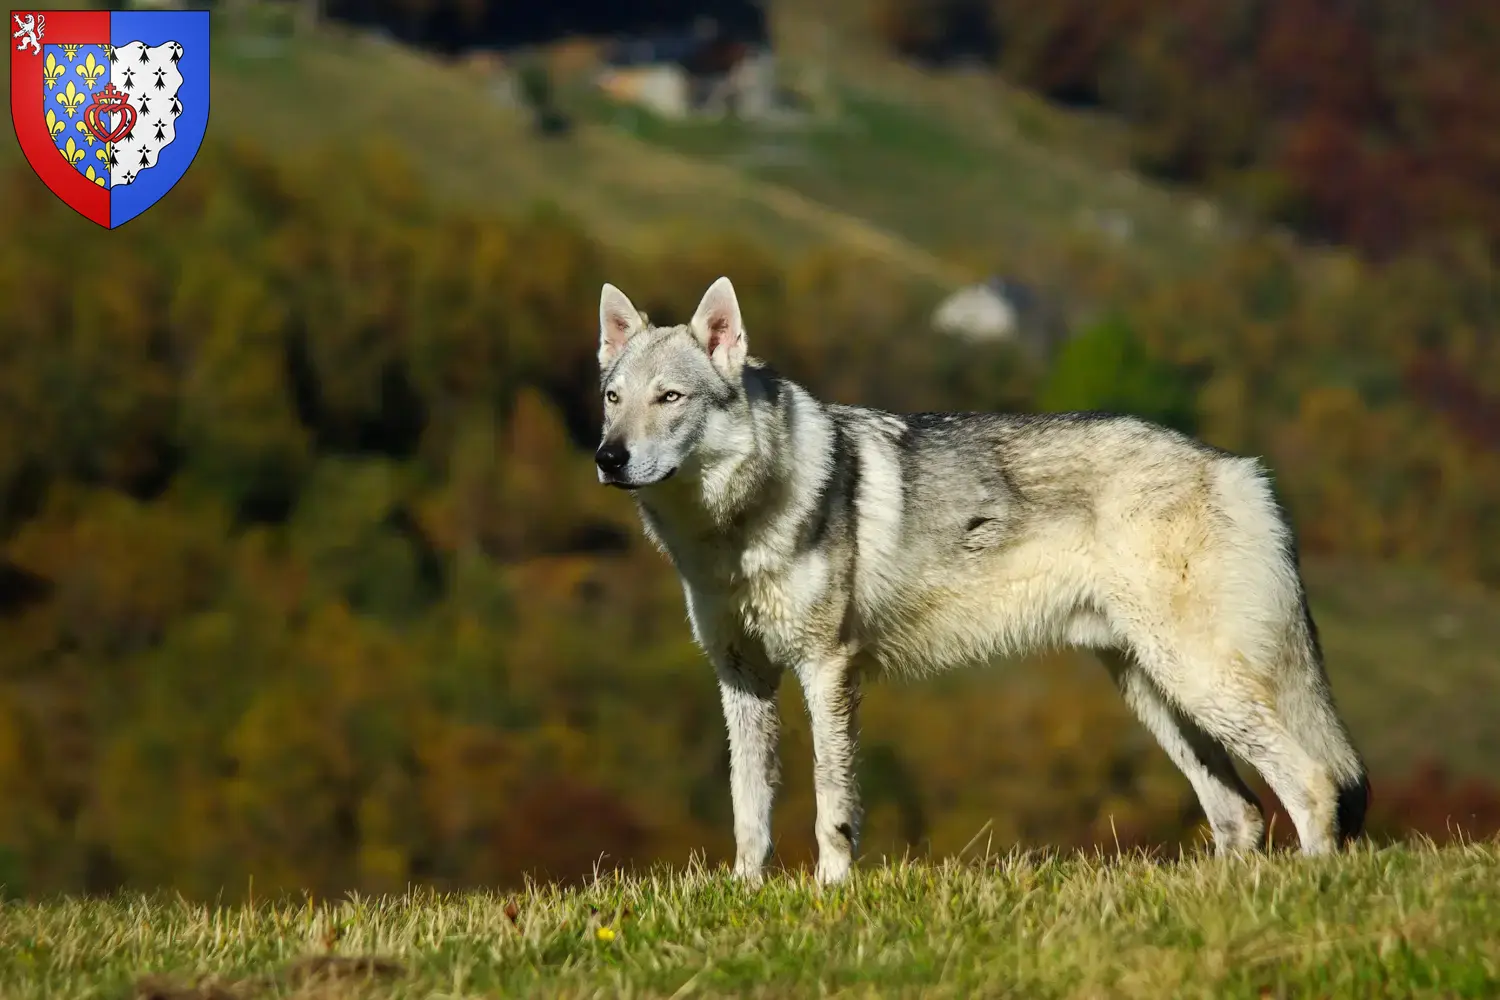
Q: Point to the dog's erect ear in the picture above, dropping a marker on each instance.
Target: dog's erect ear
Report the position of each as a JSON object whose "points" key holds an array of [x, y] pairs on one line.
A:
{"points": [[720, 328], [618, 322]]}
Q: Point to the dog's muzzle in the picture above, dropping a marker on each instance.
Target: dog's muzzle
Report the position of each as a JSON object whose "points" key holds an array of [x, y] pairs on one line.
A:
{"points": [[611, 458]]}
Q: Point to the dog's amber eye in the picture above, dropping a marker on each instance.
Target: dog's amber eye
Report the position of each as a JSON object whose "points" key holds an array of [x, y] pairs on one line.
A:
{"points": [[612, 396], [670, 397]]}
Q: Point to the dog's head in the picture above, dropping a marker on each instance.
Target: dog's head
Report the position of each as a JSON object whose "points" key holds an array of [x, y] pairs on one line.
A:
{"points": [[669, 392]]}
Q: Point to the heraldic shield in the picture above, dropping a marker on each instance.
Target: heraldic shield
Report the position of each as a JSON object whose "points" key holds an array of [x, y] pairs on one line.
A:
{"points": [[110, 107]]}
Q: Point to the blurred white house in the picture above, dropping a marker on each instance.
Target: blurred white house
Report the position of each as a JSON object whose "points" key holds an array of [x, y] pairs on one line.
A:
{"points": [[703, 72], [978, 312]]}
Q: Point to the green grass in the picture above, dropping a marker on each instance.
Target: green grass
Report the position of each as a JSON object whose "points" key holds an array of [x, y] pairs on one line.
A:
{"points": [[1406, 921]]}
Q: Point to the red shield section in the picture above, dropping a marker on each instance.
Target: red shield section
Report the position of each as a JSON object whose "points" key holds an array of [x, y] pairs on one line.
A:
{"points": [[28, 103]]}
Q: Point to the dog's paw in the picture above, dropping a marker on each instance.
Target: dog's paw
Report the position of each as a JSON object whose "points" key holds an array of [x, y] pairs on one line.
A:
{"points": [[833, 869], [752, 875]]}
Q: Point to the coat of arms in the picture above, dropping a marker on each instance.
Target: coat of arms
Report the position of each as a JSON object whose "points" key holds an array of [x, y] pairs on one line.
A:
{"points": [[110, 107]]}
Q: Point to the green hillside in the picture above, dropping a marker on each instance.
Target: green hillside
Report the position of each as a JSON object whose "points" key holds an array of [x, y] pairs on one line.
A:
{"points": [[478, 149], [955, 163]]}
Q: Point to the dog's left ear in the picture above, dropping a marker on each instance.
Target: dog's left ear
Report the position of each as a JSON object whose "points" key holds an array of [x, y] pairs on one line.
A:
{"points": [[720, 328]]}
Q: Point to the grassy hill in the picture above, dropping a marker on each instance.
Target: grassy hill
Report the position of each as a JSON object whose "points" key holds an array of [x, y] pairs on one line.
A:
{"points": [[933, 176], [1409, 921], [477, 148], [954, 162]]}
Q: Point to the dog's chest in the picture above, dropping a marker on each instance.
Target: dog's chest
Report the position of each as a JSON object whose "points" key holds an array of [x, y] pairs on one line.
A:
{"points": [[779, 600], [756, 582]]}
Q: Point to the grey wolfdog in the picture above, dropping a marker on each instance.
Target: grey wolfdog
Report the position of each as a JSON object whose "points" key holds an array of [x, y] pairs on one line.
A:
{"points": [[826, 540]]}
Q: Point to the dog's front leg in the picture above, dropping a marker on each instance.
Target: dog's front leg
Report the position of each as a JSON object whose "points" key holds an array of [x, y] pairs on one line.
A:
{"points": [[748, 692], [831, 691]]}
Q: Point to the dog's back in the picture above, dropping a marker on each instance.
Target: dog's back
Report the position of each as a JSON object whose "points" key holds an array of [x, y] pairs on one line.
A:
{"points": [[983, 534]]}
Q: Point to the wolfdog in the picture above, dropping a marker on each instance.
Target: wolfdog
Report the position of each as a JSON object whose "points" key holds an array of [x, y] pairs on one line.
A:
{"points": [[831, 540]]}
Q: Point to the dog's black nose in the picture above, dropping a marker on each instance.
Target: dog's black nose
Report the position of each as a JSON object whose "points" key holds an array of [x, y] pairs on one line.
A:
{"points": [[611, 456]]}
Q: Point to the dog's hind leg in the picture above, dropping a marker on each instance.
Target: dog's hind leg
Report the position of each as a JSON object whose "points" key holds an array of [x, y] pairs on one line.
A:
{"points": [[1259, 689], [1230, 640], [1234, 814], [1237, 705]]}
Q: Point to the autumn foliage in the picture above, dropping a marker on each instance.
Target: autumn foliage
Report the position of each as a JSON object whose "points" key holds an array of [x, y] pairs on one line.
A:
{"points": [[305, 577], [1363, 123]]}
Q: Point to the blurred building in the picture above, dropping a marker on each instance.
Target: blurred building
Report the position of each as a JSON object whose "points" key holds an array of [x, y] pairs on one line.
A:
{"points": [[707, 70], [1002, 309]]}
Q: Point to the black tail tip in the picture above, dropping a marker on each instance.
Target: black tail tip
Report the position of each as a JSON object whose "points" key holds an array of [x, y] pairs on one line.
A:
{"points": [[1354, 802]]}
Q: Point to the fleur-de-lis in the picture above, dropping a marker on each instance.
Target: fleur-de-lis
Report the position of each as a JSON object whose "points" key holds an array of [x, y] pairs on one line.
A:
{"points": [[70, 99], [71, 51], [51, 70], [56, 124], [96, 178], [91, 71], [82, 128], [105, 155], [72, 152]]}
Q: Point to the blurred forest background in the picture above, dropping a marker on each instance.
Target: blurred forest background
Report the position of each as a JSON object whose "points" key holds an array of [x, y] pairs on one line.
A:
{"points": [[305, 577]]}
